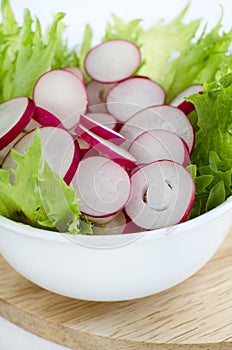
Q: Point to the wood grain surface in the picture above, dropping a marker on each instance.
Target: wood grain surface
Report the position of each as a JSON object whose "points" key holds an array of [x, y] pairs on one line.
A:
{"points": [[195, 315]]}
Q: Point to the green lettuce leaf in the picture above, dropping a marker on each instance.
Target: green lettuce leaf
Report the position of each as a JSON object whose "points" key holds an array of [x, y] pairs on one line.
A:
{"points": [[25, 53], [120, 29], [213, 144], [39, 198], [162, 45]]}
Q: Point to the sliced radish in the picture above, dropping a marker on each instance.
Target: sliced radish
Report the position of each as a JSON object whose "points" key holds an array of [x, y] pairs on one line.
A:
{"points": [[97, 93], [130, 96], [102, 186], [162, 194], [7, 149], [101, 130], [131, 227], [77, 71], [101, 221], [156, 145], [62, 94], [32, 125], [191, 90], [105, 119], [15, 115], [115, 226], [159, 117], [107, 148], [59, 150], [45, 118], [112, 61], [84, 147]]}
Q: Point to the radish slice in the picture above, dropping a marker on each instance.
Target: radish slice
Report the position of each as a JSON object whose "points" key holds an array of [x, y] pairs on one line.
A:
{"points": [[32, 125], [101, 221], [112, 61], [97, 93], [191, 90], [7, 149], [15, 115], [105, 119], [156, 145], [159, 117], [102, 186], [130, 96], [107, 148], [101, 130], [162, 194], [62, 94], [45, 118], [77, 71], [54, 140], [115, 226]]}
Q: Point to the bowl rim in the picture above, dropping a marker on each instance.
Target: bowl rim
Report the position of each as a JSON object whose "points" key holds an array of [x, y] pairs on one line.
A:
{"points": [[162, 233]]}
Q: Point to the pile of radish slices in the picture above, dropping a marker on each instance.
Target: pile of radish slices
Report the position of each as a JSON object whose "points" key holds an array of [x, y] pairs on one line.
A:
{"points": [[113, 139]]}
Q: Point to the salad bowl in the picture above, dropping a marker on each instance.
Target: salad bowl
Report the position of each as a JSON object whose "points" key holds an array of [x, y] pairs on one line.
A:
{"points": [[120, 266]]}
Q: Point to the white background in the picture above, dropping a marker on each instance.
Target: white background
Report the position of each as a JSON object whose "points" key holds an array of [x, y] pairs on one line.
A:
{"points": [[97, 13]]}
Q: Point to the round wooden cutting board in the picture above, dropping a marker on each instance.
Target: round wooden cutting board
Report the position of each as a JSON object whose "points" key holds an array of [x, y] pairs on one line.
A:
{"points": [[195, 315]]}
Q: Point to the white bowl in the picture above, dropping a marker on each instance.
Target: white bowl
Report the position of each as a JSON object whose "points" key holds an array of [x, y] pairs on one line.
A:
{"points": [[112, 268], [117, 267]]}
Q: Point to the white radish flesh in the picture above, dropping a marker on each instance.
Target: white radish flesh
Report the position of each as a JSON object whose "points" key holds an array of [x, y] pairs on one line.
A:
{"points": [[191, 90], [159, 117], [97, 93], [77, 71], [101, 130], [59, 150], [112, 61], [105, 119], [156, 145], [115, 226], [32, 125], [132, 95], [15, 115], [62, 94], [102, 186], [107, 148], [162, 194]]}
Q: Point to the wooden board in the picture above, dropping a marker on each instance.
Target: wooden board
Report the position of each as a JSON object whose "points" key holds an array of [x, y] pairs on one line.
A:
{"points": [[195, 315]]}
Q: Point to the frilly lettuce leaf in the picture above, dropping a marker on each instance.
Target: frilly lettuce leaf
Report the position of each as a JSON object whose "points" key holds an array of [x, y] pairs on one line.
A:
{"points": [[213, 145], [39, 198], [25, 53]]}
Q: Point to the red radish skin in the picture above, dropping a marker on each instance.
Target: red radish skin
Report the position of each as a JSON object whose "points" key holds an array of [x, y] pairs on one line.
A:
{"points": [[64, 162], [157, 145], [101, 130], [77, 71], [112, 61], [62, 94], [32, 125], [159, 117], [162, 194], [115, 226], [107, 148], [105, 119], [132, 95], [15, 115], [7, 149], [102, 186], [45, 118], [191, 90], [97, 93]]}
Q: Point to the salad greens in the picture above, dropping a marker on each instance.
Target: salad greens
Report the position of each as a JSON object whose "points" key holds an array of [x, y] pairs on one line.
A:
{"points": [[38, 197], [174, 54], [25, 53]]}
